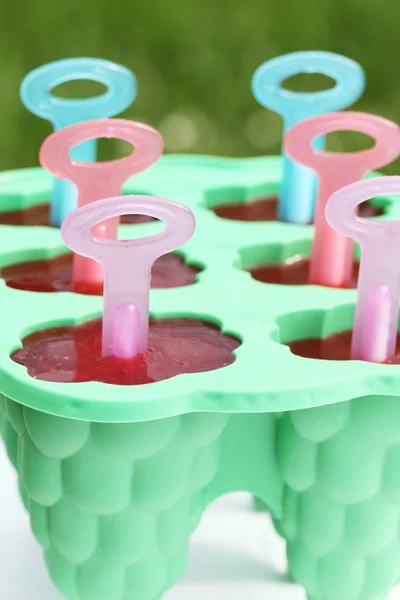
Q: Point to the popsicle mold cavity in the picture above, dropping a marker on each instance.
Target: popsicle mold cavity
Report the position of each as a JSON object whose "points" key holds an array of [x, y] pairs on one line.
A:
{"points": [[317, 323], [176, 346], [50, 270], [257, 203]]}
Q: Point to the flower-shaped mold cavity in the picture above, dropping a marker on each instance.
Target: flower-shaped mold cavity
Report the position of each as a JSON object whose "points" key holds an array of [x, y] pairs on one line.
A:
{"points": [[318, 342], [283, 263], [260, 203], [322, 335], [25, 202], [92, 399], [176, 346], [51, 271], [250, 221]]}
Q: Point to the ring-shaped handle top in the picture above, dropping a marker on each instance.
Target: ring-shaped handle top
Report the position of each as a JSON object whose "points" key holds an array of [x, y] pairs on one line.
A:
{"points": [[179, 227], [295, 106], [340, 209], [36, 87], [54, 154], [386, 134]]}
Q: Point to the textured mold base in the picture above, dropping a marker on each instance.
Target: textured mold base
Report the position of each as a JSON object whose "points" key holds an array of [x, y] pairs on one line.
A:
{"points": [[341, 499], [113, 505]]}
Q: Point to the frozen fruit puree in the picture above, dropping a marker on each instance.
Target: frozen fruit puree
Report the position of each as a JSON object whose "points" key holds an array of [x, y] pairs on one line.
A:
{"points": [[176, 346]]}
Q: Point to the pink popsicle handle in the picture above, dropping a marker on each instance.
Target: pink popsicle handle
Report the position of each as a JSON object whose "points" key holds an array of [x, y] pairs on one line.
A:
{"points": [[332, 253], [103, 179], [127, 263], [377, 308]]}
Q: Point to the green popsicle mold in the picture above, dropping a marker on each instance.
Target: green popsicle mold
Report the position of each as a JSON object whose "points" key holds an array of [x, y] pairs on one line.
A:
{"points": [[135, 466]]}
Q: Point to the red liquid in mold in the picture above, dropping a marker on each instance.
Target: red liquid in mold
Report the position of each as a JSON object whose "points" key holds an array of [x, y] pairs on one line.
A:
{"points": [[176, 346], [55, 275], [40, 215], [294, 271], [261, 209], [333, 347], [266, 209]]}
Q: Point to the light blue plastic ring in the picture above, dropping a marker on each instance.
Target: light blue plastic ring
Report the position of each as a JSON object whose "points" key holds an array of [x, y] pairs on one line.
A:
{"points": [[36, 90], [298, 187]]}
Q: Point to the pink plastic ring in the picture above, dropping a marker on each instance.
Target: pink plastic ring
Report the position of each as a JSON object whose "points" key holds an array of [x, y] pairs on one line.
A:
{"points": [[77, 228], [340, 209], [298, 140], [54, 153]]}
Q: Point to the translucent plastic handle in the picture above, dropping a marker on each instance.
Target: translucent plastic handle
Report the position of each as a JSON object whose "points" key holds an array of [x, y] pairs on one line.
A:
{"points": [[61, 112], [127, 263], [297, 195], [99, 180], [332, 254], [377, 309], [37, 85]]}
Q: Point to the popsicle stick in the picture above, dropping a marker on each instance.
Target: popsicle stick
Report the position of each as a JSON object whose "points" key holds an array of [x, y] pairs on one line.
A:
{"points": [[298, 187], [127, 264], [99, 180], [61, 112], [378, 293], [332, 253]]}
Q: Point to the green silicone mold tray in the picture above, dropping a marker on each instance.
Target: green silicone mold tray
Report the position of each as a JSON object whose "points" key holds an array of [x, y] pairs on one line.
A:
{"points": [[115, 478], [260, 314]]}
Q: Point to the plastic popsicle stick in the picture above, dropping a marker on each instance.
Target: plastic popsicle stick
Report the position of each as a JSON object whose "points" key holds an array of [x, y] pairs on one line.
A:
{"points": [[377, 309], [99, 180], [127, 263], [332, 254], [298, 187], [36, 95]]}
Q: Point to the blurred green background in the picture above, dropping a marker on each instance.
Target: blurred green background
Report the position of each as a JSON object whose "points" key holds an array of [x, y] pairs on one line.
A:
{"points": [[194, 62]]}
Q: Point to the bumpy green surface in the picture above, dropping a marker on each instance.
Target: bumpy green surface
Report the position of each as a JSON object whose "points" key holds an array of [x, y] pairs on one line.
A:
{"points": [[341, 500], [116, 478], [113, 505]]}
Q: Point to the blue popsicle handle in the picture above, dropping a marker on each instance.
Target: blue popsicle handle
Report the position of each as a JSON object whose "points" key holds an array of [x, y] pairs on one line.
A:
{"points": [[36, 95], [299, 184]]}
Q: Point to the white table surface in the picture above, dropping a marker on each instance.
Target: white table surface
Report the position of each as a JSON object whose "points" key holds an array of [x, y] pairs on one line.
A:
{"points": [[234, 554]]}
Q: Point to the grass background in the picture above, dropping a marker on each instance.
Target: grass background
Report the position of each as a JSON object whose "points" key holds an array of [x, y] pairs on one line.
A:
{"points": [[194, 61]]}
